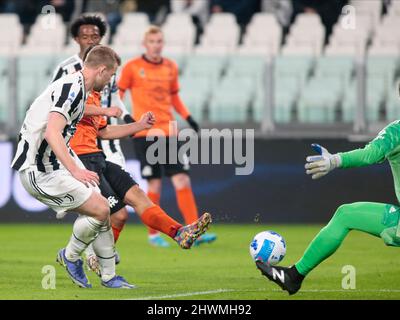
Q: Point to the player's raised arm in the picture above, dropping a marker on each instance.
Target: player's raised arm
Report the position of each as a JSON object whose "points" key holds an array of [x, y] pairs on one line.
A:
{"points": [[120, 131], [376, 151]]}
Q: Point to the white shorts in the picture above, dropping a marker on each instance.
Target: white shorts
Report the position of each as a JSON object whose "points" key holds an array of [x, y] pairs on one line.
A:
{"points": [[58, 189]]}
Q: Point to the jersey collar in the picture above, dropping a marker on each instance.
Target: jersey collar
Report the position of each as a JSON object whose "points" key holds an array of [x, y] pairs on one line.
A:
{"points": [[151, 62]]}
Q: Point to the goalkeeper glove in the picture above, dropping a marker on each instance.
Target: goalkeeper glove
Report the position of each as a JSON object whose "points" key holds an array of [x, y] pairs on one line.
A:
{"points": [[318, 166]]}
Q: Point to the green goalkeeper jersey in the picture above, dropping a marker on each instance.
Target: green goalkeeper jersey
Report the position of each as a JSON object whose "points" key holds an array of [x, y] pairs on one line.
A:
{"points": [[386, 146]]}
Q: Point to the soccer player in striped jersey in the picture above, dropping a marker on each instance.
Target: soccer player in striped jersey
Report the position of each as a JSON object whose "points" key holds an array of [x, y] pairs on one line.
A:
{"points": [[377, 219], [88, 31], [52, 173]]}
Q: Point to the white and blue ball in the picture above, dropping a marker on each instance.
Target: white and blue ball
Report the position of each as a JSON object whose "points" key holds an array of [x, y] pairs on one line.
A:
{"points": [[269, 247]]}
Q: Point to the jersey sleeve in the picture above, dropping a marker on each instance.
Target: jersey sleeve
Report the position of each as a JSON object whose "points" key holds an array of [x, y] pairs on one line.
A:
{"points": [[125, 80], [175, 81], [66, 98], [58, 73], [376, 151], [103, 123]]}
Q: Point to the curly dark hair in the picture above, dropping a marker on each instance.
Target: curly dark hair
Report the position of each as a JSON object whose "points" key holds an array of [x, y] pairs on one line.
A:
{"points": [[91, 20]]}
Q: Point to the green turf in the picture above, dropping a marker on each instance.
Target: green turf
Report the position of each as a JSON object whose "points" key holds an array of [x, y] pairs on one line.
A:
{"points": [[173, 273]]}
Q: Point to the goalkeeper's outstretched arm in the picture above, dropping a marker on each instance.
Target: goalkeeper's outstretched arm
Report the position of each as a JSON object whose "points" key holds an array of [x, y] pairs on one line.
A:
{"points": [[376, 151]]}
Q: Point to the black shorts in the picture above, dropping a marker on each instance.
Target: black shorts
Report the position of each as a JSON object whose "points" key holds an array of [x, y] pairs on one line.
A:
{"points": [[171, 166], [114, 181]]}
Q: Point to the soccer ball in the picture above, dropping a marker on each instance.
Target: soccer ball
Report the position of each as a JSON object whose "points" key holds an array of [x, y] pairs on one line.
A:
{"points": [[269, 247]]}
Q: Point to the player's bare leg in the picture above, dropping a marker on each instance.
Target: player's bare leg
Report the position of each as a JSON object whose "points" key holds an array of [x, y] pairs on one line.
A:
{"points": [[153, 216]]}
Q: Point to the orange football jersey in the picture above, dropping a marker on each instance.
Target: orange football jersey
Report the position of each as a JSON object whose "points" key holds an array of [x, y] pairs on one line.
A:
{"points": [[84, 140], [152, 87]]}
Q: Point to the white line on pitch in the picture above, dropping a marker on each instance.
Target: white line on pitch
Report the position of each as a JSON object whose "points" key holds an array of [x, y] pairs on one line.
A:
{"points": [[186, 294]]}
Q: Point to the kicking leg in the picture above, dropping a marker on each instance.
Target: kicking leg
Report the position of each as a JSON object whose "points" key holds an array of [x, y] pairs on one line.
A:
{"points": [[154, 194], [156, 218]]}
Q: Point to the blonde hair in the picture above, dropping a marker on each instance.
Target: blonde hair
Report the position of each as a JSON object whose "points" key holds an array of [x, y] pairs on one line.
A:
{"points": [[101, 55], [152, 30]]}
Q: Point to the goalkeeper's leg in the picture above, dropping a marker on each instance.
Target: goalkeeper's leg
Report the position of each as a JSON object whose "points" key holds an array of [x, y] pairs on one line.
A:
{"points": [[369, 217]]}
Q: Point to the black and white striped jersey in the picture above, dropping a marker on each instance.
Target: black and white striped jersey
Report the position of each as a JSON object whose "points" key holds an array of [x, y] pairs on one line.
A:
{"points": [[65, 96], [109, 98], [68, 66]]}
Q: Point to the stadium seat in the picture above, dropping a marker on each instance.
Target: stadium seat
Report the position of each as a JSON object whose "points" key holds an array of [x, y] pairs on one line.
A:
{"points": [[348, 41], [318, 101], [306, 31], [210, 67], [298, 67], [370, 7], [383, 66], [376, 93], [48, 33], [231, 100], [263, 32], [195, 93], [12, 35], [247, 66], [341, 67], [5, 89], [180, 38], [221, 31], [34, 73], [393, 103], [285, 94], [131, 30]]}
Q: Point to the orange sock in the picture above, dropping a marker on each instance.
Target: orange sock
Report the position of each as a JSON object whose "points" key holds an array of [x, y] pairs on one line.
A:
{"points": [[116, 232], [187, 204], [156, 218], [155, 198]]}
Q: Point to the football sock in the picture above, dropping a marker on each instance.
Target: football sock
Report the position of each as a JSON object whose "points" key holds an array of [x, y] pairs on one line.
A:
{"points": [[84, 231], [368, 217], [116, 231], [187, 204], [155, 198], [103, 245], [156, 218]]}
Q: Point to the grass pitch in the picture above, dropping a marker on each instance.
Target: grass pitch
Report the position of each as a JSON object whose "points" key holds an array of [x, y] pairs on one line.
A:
{"points": [[222, 270]]}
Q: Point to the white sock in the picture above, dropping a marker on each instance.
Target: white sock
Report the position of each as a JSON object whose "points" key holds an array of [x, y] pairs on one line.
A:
{"points": [[84, 231], [103, 246]]}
